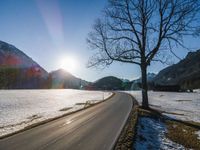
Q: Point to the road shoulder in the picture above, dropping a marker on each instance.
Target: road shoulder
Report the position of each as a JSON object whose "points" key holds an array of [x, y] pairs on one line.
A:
{"points": [[125, 140]]}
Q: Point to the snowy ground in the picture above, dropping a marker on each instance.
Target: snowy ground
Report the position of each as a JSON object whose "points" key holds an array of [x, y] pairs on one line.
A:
{"points": [[183, 106], [151, 135], [20, 108], [198, 133]]}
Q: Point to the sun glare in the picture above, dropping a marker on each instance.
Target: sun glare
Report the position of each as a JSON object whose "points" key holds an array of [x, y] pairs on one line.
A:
{"points": [[69, 64]]}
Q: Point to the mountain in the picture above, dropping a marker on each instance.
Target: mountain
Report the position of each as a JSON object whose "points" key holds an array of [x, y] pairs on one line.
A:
{"points": [[108, 83], [19, 71], [150, 78], [126, 84], [63, 79], [136, 84], [185, 74]]}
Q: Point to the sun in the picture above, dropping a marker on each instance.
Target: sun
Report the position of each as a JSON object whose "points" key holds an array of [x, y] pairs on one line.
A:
{"points": [[69, 64]]}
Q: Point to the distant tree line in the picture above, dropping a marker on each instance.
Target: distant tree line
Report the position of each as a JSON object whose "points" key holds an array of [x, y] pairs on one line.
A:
{"points": [[15, 78]]}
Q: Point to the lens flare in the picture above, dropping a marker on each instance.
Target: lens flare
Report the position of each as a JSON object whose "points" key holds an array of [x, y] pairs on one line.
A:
{"points": [[53, 19], [69, 64]]}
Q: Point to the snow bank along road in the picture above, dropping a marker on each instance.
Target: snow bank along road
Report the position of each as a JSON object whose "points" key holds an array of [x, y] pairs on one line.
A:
{"points": [[96, 128]]}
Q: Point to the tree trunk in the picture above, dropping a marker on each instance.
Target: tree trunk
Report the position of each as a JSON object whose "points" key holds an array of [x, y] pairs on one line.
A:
{"points": [[145, 102]]}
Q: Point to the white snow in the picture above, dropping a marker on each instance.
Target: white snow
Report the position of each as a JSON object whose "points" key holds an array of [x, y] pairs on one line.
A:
{"points": [[20, 108], [197, 90], [185, 105], [198, 134], [151, 135]]}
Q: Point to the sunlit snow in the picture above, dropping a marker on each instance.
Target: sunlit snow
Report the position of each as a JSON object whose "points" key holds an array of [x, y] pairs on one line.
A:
{"points": [[179, 105], [20, 108]]}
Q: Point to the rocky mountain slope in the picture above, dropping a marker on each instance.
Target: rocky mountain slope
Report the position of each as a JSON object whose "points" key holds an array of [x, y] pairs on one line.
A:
{"points": [[17, 70], [136, 84], [63, 79], [185, 73]]}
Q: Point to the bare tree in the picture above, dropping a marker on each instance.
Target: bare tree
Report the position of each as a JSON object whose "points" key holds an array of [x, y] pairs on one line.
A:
{"points": [[139, 31]]}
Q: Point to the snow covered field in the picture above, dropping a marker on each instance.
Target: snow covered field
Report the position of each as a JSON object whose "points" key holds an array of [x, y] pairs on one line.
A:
{"points": [[184, 106], [20, 108]]}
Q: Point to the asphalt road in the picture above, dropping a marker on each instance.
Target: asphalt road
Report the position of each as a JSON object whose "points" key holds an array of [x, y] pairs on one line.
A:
{"points": [[95, 128]]}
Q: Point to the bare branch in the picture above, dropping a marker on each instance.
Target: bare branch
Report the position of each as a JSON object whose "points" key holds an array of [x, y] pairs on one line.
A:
{"points": [[134, 31]]}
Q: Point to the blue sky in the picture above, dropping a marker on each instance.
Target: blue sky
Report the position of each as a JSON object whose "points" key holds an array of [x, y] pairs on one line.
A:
{"points": [[47, 30]]}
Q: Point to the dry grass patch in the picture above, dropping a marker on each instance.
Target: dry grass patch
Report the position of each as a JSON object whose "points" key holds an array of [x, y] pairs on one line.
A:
{"points": [[150, 113], [184, 133], [127, 136]]}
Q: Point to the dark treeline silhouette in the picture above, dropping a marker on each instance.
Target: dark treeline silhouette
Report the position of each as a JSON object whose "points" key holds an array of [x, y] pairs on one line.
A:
{"points": [[15, 78]]}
